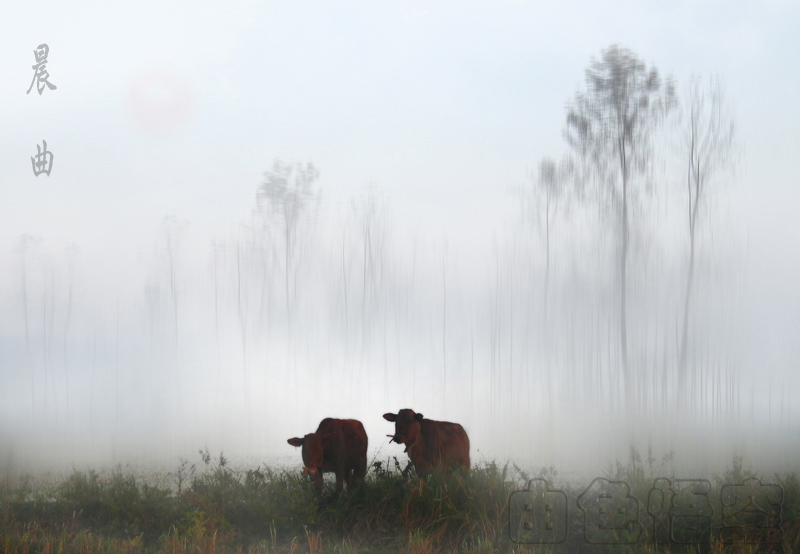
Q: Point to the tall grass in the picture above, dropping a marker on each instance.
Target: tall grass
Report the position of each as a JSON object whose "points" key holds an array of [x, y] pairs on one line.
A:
{"points": [[215, 509]]}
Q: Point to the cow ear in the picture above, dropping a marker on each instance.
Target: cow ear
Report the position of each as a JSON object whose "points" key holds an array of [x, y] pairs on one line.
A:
{"points": [[390, 417], [418, 417], [296, 442]]}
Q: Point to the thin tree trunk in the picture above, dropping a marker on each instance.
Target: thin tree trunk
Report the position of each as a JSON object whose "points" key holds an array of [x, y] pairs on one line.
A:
{"points": [[344, 290], [693, 177], [243, 327], [472, 365], [27, 328], [172, 253], [44, 343], [444, 333], [547, 272], [66, 331], [685, 334], [91, 380], [364, 294], [287, 240], [116, 375], [623, 320], [216, 320]]}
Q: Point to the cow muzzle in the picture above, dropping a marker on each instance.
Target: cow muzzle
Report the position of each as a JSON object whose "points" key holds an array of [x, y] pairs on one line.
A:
{"points": [[309, 471], [398, 440]]}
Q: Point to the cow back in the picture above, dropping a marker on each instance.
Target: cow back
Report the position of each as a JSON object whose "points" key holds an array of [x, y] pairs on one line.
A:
{"points": [[442, 443], [344, 442]]}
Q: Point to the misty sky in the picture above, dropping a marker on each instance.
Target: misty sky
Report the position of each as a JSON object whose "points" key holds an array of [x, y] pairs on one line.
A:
{"points": [[178, 108]]}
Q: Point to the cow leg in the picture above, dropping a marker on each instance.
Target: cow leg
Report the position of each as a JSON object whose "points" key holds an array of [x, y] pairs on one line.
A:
{"points": [[318, 483], [340, 474], [359, 472], [348, 478]]}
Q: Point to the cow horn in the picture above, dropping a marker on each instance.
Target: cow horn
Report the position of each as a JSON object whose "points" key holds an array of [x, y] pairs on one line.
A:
{"points": [[392, 437], [309, 471]]}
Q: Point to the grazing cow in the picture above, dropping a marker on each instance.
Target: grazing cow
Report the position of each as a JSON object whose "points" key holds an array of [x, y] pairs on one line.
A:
{"points": [[339, 446], [430, 443]]}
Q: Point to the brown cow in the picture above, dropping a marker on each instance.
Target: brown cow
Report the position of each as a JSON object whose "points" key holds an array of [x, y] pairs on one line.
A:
{"points": [[339, 446], [430, 443]]}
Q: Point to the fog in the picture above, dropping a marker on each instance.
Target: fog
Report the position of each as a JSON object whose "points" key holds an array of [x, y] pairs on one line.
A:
{"points": [[157, 299]]}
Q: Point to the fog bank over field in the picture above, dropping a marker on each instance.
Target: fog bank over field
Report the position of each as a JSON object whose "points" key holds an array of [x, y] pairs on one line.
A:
{"points": [[266, 215]]}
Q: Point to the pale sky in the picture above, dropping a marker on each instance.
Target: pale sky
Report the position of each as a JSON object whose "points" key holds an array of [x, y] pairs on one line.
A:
{"points": [[177, 109], [440, 104]]}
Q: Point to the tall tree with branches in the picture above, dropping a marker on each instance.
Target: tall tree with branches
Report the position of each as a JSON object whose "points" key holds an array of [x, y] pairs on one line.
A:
{"points": [[708, 137], [611, 125]]}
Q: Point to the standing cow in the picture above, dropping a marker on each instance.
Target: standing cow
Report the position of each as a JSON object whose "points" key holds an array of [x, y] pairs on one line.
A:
{"points": [[430, 443], [339, 446]]}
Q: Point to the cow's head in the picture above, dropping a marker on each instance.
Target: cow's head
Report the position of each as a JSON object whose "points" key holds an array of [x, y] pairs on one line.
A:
{"points": [[406, 427], [312, 456]]}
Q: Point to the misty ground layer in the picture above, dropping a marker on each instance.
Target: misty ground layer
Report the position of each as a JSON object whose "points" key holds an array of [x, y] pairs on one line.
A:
{"points": [[213, 508]]}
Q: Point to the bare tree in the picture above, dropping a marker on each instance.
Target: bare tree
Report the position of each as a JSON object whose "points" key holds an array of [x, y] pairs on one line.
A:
{"points": [[47, 328], [72, 251], [241, 252], [550, 188], [370, 214], [444, 326], [26, 242], [344, 291], [708, 135], [169, 258], [170, 229], [216, 251], [286, 192], [241, 309], [152, 296], [611, 125]]}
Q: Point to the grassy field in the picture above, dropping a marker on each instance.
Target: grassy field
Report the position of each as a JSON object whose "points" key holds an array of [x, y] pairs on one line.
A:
{"points": [[215, 509]]}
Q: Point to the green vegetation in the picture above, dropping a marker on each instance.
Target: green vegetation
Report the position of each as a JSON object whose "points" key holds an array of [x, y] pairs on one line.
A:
{"points": [[215, 509]]}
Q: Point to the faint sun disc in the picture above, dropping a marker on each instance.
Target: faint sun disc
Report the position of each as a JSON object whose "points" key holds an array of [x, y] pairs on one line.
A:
{"points": [[160, 102]]}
